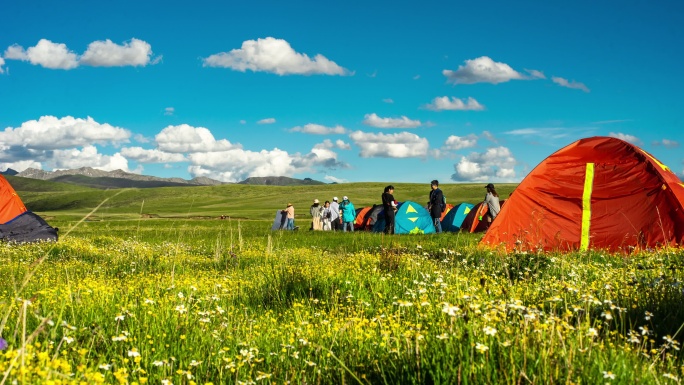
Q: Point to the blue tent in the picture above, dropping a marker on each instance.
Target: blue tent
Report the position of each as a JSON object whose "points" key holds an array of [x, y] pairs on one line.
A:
{"points": [[411, 218], [454, 218]]}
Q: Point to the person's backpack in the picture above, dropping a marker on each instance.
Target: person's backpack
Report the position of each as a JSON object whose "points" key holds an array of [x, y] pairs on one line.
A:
{"points": [[443, 202]]}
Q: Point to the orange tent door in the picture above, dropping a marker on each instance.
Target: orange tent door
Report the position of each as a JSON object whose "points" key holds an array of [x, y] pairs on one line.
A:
{"points": [[11, 205]]}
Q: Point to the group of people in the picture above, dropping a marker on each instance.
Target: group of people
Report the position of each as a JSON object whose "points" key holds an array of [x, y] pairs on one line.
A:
{"points": [[333, 216], [336, 216]]}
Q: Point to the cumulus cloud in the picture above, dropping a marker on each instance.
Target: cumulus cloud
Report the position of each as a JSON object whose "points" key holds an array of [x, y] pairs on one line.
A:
{"points": [[169, 111], [20, 165], [46, 54], [275, 56], [483, 70], [318, 129], [267, 121], [399, 145], [456, 143], [374, 120], [489, 136], [454, 104], [142, 155], [388, 100], [50, 132], [185, 138], [88, 156], [2, 63], [666, 143], [338, 144], [495, 164], [238, 164], [626, 137], [109, 54], [99, 54], [570, 84]]}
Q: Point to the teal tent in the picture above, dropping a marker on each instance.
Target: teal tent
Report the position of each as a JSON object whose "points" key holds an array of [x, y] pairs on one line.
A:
{"points": [[454, 218], [411, 218]]}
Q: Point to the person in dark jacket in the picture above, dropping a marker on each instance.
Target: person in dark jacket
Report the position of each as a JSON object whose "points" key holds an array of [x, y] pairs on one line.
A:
{"points": [[389, 206], [436, 205]]}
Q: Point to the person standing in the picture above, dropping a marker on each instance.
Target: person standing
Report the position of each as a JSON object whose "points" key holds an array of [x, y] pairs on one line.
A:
{"points": [[436, 205], [335, 215], [315, 211], [290, 216], [348, 214], [492, 202], [326, 215], [389, 206]]}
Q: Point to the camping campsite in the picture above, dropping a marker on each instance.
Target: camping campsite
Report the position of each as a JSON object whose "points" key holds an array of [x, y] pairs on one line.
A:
{"points": [[149, 285]]}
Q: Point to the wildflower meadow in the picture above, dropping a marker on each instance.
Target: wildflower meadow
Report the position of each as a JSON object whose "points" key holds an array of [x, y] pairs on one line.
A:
{"points": [[206, 301]]}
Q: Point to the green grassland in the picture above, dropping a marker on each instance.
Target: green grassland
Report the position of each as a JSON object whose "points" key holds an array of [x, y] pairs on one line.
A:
{"points": [[177, 296]]}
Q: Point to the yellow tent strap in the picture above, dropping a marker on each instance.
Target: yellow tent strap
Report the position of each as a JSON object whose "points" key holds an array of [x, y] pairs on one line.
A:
{"points": [[586, 206]]}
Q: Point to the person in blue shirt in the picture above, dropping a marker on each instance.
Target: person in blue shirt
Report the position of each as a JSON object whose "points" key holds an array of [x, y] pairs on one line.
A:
{"points": [[348, 214]]}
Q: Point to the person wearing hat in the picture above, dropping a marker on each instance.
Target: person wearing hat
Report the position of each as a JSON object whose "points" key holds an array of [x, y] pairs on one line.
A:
{"points": [[316, 211], [436, 205], [348, 214], [290, 216], [492, 202], [335, 215]]}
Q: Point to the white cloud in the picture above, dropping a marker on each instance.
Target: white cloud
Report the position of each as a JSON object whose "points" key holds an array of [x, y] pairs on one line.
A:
{"points": [[267, 121], [454, 104], [20, 165], [626, 137], [49, 132], [338, 144], [15, 52], [185, 138], [319, 129], [2, 63], [87, 157], [142, 155], [169, 111], [374, 120], [482, 70], [495, 164], [399, 145], [456, 143], [243, 121], [275, 56], [534, 74], [238, 164], [570, 84], [666, 143], [388, 100], [49, 55], [99, 54], [333, 179], [488, 135], [109, 54]]}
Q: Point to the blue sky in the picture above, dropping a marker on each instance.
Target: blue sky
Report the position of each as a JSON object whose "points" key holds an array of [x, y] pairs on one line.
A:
{"points": [[389, 91]]}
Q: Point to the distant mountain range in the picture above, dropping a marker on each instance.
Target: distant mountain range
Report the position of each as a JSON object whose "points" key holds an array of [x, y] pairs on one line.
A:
{"points": [[90, 177], [279, 181]]}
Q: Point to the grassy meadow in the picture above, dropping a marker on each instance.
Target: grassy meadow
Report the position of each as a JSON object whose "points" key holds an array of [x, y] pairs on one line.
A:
{"points": [[148, 286]]}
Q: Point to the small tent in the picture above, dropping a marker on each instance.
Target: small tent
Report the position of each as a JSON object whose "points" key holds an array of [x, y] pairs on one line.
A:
{"points": [[366, 218], [17, 224], [410, 218], [280, 221], [596, 193], [454, 218], [472, 222]]}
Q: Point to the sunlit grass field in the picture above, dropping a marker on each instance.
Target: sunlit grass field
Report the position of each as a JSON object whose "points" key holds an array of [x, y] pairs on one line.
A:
{"points": [[189, 299]]}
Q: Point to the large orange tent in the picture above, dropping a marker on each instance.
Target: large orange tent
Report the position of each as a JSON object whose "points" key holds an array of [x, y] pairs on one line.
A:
{"points": [[18, 224], [596, 193]]}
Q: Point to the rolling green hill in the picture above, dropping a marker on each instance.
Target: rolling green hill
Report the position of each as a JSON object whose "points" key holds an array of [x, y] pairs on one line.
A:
{"points": [[234, 200]]}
